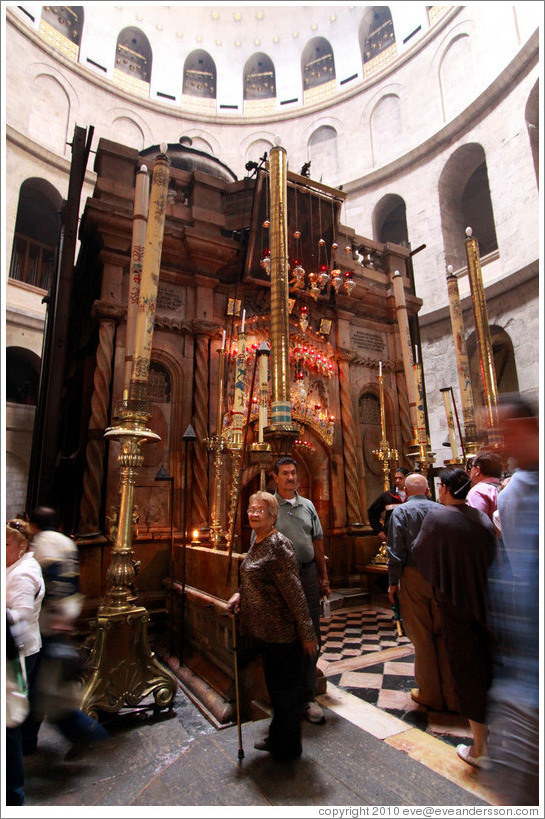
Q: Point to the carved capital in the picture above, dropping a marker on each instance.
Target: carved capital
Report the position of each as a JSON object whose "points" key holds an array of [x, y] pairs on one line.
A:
{"points": [[345, 356], [111, 310], [203, 327]]}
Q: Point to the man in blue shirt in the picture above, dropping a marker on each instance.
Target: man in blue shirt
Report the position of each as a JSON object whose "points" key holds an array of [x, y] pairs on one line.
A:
{"points": [[419, 608], [298, 520]]}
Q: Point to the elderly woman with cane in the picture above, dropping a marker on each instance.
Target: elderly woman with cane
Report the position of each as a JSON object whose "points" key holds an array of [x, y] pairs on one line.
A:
{"points": [[274, 612]]}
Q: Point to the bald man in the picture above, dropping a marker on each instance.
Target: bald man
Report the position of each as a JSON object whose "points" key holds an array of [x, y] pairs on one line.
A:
{"points": [[419, 609]]}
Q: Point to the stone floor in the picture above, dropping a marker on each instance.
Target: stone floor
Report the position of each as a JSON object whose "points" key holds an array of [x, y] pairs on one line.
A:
{"points": [[372, 751]]}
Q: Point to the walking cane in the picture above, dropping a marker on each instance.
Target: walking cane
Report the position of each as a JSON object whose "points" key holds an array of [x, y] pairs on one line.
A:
{"points": [[237, 697], [397, 617]]}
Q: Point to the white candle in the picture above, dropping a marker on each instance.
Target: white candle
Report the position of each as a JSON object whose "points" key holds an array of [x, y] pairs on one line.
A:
{"points": [[223, 341], [243, 320], [380, 367]]}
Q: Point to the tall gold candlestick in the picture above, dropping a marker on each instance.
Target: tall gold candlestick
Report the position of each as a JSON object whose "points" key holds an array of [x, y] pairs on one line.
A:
{"points": [[482, 331], [238, 401], [281, 432], [462, 362], [263, 352], [447, 399], [124, 670], [386, 456], [406, 347], [139, 225], [421, 433], [150, 276]]}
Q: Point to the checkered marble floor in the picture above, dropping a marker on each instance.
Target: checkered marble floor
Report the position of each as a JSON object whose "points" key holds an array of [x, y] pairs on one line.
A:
{"points": [[363, 654]]}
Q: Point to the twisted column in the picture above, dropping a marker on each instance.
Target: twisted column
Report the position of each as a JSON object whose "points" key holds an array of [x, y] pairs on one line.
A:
{"points": [[404, 410], [200, 508], [109, 315], [353, 510]]}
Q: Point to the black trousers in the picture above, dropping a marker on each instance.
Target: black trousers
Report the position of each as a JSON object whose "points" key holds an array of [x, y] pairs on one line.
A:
{"points": [[283, 668], [311, 587]]}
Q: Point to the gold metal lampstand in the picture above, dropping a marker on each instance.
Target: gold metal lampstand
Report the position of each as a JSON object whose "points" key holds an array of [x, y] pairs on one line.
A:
{"points": [[260, 450], [386, 456], [124, 670], [282, 432], [216, 445], [472, 441], [484, 341]]}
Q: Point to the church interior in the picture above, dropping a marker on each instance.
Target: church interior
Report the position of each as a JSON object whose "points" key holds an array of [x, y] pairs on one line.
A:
{"points": [[234, 233]]}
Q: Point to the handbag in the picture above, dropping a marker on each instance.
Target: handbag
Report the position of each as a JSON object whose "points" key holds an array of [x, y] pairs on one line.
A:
{"points": [[17, 706]]}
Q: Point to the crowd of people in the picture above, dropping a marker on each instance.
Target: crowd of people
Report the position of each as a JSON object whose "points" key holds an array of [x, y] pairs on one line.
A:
{"points": [[464, 569], [43, 603]]}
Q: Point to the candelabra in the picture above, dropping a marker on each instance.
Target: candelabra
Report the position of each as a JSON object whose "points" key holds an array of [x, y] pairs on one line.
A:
{"points": [[216, 444], [124, 670], [386, 456]]}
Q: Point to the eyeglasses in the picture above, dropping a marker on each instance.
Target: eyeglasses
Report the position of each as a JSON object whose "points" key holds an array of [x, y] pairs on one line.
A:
{"points": [[18, 525], [257, 511]]}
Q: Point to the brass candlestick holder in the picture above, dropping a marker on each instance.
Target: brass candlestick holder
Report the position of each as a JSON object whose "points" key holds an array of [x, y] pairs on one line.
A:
{"points": [[386, 456], [124, 669], [216, 445]]}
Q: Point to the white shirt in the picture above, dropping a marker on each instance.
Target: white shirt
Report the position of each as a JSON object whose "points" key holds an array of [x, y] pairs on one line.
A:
{"points": [[24, 594]]}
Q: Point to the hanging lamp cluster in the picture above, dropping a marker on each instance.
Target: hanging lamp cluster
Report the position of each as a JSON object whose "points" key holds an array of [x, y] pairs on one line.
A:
{"points": [[323, 272]]}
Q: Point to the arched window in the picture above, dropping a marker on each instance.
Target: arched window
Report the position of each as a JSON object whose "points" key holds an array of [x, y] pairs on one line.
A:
{"points": [[386, 129], [61, 26], [22, 376], [318, 68], [477, 210], [456, 74], [323, 151], [259, 78], [390, 220], [504, 364], [200, 75], [37, 227], [464, 201], [377, 39], [532, 124], [133, 61]]}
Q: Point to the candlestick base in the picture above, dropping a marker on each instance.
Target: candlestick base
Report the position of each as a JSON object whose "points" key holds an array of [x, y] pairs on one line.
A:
{"points": [[281, 438], [124, 669], [421, 454], [381, 557]]}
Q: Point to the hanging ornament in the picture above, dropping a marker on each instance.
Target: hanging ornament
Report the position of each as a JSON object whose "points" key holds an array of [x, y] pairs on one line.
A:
{"points": [[323, 276], [314, 287], [266, 262], [336, 279], [303, 318], [349, 285], [266, 224], [297, 281]]}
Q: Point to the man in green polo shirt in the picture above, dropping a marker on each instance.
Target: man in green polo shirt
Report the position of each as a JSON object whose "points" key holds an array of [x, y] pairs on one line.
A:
{"points": [[298, 520]]}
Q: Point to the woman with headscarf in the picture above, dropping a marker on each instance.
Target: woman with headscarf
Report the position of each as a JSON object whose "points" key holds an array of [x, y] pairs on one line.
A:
{"points": [[454, 550], [274, 612]]}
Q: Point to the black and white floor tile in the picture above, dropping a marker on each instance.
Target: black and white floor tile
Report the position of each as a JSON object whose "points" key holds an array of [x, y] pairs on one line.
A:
{"points": [[363, 655]]}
